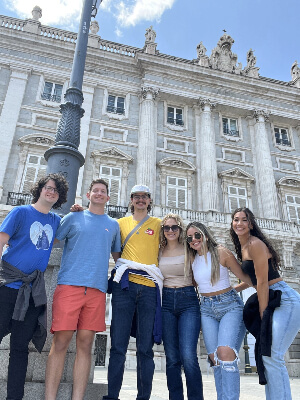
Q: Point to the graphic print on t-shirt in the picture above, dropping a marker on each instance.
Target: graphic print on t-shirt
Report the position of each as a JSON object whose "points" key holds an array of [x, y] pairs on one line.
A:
{"points": [[41, 236]]}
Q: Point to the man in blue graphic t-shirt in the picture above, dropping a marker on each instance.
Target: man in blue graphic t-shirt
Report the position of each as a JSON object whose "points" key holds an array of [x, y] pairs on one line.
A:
{"points": [[79, 299], [29, 232]]}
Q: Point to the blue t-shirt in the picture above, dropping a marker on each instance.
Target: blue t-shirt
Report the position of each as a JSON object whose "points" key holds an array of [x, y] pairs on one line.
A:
{"points": [[90, 238], [31, 238]]}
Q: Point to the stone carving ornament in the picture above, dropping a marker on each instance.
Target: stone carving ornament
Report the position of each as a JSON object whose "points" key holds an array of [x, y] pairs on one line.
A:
{"points": [[222, 57], [148, 89]]}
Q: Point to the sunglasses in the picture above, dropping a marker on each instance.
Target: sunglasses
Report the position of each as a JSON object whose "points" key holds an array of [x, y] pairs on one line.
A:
{"points": [[173, 228], [197, 236]]}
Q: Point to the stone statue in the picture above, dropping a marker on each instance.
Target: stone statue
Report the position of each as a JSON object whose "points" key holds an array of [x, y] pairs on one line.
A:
{"points": [[251, 59], [36, 13], [150, 35], [201, 50], [295, 71]]}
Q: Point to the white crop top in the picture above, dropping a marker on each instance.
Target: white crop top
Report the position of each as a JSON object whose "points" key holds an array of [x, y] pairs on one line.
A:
{"points": [[202, 275]]}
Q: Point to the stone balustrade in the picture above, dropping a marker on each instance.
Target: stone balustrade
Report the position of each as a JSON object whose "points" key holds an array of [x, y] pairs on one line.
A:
{"points": [[11, 23]]}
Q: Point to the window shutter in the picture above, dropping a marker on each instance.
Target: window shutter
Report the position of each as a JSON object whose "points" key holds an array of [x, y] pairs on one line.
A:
{"points": [[114, 192], [171, 200], [233, 203], [181, 198]]}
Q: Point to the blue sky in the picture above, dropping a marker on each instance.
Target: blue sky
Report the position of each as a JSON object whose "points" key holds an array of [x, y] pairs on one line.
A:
{"points": [[269, 27]]}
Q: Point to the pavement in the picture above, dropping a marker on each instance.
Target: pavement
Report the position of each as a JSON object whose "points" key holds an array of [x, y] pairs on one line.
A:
{"points": [[250, 389]]}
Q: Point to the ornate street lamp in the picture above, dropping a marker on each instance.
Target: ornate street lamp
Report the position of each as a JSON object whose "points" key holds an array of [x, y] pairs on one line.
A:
{"points": [[64, 156]]}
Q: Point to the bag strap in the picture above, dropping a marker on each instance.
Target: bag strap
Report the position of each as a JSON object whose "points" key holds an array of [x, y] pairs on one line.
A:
{"points": [[134, 230]]}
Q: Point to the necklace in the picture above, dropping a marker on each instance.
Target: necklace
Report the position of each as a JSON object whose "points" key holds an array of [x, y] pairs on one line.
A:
{"points": [[246, 244]]}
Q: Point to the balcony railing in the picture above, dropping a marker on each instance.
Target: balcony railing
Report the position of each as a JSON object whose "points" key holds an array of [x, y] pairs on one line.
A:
{"points": [[175, 121], [18, 199], [51, 97], [115, 110], [283, 142], [231, 132], [116, 211]]}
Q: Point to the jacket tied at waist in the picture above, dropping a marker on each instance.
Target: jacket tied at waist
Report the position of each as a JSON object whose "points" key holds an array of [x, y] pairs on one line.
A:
{"points": [[261, 328], [9, 274]]}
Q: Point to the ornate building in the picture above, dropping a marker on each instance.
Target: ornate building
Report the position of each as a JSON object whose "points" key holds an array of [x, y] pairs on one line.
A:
{"points": [[207, 135]]}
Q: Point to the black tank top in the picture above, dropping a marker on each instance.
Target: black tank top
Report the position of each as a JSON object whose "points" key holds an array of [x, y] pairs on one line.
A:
{"points": [[248, 268]]}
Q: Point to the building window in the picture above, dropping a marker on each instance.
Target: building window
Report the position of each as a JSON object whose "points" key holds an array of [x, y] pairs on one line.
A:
{"points": [[174, 116], [282, 136], [52, 92], [237, 197], [116, 105], [35, 169], [176, 192], [230, 127], [113, 177], [293, 208]]}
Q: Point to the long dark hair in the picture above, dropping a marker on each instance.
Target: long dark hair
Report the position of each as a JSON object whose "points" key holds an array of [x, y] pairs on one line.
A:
{"points": [[254, 231]]}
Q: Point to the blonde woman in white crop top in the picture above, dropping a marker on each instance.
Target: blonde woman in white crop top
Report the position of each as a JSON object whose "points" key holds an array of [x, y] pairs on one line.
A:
{"points": [[180, 313], [221, 307]]}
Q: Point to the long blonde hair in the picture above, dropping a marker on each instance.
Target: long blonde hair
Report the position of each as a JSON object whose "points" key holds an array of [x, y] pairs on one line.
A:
{"points": [[208, 245]]}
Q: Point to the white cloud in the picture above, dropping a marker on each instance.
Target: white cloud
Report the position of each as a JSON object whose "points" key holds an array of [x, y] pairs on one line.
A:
{"points": [[141, 10], [55, 12], [66, 13]]}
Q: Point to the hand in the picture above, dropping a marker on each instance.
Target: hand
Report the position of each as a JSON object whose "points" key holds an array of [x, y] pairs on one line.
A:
{"points": [[76, 208]]}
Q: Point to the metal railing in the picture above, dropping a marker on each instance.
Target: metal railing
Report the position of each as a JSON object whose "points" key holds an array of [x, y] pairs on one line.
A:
{"points": [[51, 97], [231, 132], [115, 110], [116, 211], [283, 142], [18, 199], [175, 121]]}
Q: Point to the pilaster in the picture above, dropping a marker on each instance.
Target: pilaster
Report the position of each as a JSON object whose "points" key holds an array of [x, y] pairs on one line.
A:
{"points": [[146, 154], [207, 177], [264, 168], [9, 116]]}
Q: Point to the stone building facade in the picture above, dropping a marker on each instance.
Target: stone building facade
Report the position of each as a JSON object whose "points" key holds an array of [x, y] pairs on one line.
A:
{"points": [[206, 135]]}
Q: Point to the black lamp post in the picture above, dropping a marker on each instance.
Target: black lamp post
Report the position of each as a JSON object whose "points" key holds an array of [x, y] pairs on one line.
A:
{"points": [[64, 157], [248, 369]]}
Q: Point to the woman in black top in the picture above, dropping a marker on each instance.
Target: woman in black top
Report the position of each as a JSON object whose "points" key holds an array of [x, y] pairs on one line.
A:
{"points": [[261, 262]]}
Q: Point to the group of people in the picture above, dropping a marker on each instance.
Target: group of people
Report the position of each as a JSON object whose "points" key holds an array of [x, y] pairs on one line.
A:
{"points": [[169, 282]]}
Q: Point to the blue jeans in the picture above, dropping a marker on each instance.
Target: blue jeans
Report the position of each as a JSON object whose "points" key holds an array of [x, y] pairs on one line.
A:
{"points": [[141, 301], [285, 326], [181, 328], [222, 325]]}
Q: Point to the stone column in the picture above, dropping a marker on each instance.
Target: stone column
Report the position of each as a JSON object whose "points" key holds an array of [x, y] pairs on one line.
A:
{"points": [[146, 154], [207, 177], [88, 93], [264, 169], [9, 116]]}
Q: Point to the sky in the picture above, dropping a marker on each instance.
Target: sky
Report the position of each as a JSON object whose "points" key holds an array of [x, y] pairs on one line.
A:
{"points": [[269, 27]]}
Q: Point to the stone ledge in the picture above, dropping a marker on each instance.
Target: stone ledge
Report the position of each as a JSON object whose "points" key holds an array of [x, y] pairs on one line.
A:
{"points": [[36, 390]]}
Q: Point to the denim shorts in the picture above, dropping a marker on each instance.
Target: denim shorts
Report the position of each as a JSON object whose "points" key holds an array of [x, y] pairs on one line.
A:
{"points": [[222, 321]]}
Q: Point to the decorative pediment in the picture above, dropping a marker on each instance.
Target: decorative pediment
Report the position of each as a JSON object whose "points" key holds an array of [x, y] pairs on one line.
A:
{"points": [[236, 173], [112, 152], [36, 139], [289, 181], [179, 163]]}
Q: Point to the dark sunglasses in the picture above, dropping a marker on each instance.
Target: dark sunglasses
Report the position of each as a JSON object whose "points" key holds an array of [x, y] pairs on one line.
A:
{"points": [[173, 228], [197, 236]]}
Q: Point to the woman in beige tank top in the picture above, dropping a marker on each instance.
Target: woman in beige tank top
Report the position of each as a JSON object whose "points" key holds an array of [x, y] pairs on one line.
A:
{"points": [[180, 312]]}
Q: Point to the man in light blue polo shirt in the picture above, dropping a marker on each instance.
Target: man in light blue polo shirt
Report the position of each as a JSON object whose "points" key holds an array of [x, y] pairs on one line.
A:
{"points": [[79, 299]]}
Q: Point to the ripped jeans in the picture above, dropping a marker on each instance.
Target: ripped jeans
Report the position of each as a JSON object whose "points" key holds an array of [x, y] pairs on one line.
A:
{"points": [[222, 325]]}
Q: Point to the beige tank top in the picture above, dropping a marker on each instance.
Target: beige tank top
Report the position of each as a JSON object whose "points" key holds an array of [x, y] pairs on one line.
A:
{"points": [[172, 269]]}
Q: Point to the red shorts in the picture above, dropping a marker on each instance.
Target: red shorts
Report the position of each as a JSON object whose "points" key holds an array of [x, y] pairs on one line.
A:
{"points": [[78, 307]]}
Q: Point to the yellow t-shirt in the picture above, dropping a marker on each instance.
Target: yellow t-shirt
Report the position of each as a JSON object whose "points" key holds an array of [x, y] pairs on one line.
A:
{"points": [[142, 246]]}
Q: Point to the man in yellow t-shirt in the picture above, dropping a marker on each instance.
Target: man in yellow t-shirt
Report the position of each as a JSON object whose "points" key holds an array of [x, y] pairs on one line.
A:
{"points": [[140, 299]]}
